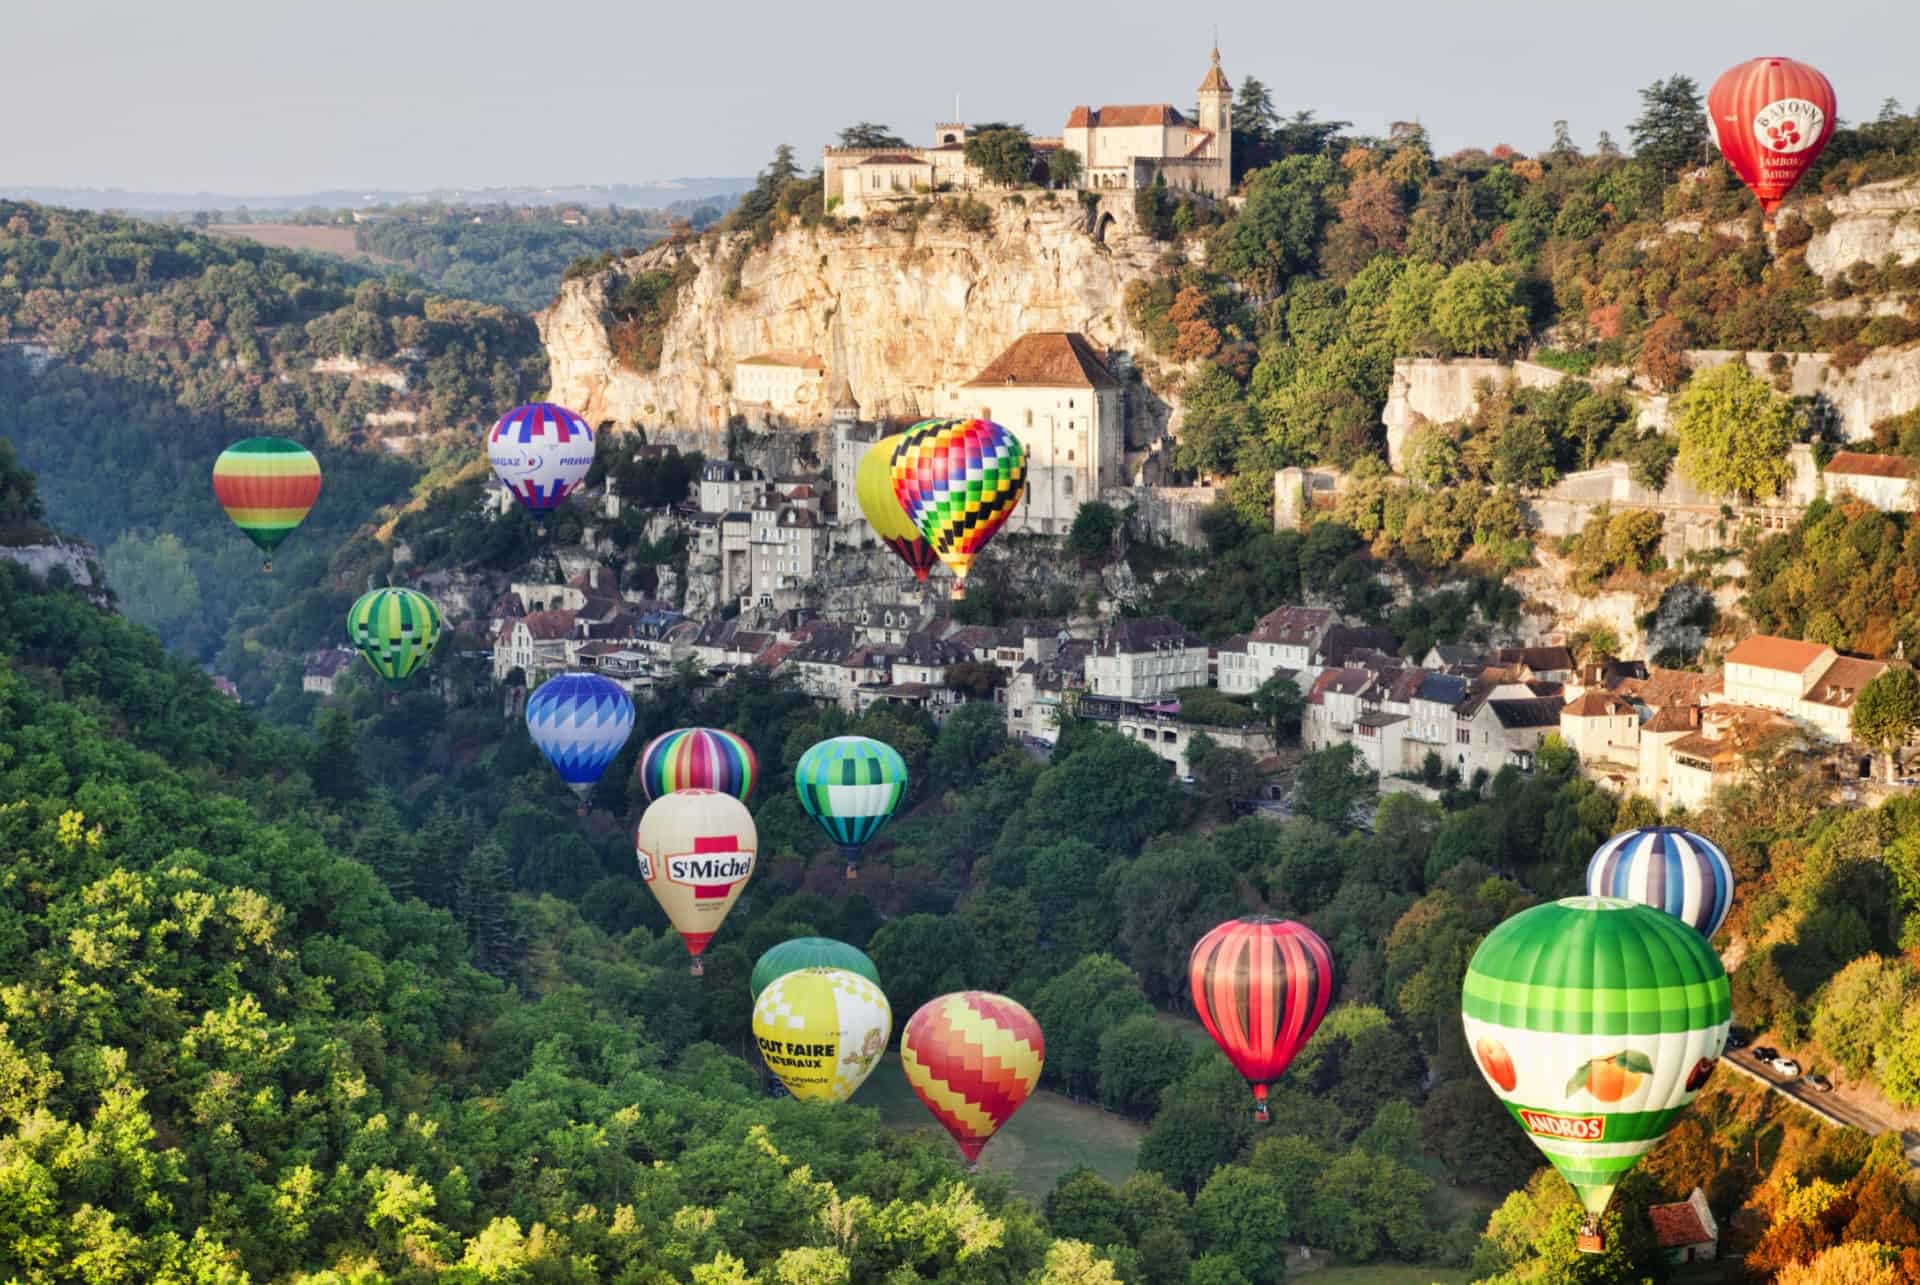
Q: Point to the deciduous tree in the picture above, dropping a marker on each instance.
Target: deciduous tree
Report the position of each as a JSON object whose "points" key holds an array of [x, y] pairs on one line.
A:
{"points": [[1734, 432]]}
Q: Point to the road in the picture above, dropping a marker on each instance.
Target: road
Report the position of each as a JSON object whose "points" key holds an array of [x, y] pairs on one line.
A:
{"points": [[1829, 1106]]}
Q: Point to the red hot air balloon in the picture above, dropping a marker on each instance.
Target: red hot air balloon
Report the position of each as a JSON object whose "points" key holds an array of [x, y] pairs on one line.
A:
{"points": [[1770, 118], [1261, 986]]}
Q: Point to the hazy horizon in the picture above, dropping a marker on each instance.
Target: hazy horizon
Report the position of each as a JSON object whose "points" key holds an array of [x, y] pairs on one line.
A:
{"points": [[214, 97]]}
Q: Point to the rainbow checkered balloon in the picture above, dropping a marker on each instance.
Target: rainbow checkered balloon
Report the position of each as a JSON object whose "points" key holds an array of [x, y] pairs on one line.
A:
{"points": [[959, 480], [972, 1058]]}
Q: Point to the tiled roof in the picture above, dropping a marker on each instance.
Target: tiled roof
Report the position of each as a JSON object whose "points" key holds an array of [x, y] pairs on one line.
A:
{"points": [[1786, 655], [328, 663], [1342, 639], [894, 158], [1666, 687], [1344, 682], [1599, 705], [1144, 634], [1047, 359], [549, 626], [1859, 464], [1442, 689], [1538, 658], [784, 357], [1292, 626], [1124, 115], [1216, 79], [1236, 644], [1541, 711], [1677, 1226], [1672, 718], [1843, 680]]}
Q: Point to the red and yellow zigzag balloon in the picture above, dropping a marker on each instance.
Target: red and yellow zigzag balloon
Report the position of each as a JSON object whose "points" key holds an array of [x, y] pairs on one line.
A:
{"points": [[973, 1058]]}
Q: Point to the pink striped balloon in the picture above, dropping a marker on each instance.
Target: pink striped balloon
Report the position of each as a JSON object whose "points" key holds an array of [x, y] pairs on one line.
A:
{"points": [[697, 758]]}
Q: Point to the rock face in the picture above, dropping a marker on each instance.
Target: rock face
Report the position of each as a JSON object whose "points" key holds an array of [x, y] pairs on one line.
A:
{"points": [[907, 309], [1870, 224], [79, 561]]}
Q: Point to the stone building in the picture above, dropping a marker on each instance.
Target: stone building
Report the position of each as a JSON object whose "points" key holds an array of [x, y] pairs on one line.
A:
{"points": [[1053, 391], [1884, 481], [1121, 147], [1806, 681], [788, 382], [1145, 658]]}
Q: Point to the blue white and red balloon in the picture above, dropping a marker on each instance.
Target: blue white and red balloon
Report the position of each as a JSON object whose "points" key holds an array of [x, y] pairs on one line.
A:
{"points": [[580, 722], [541, 453], [1668, 868]]}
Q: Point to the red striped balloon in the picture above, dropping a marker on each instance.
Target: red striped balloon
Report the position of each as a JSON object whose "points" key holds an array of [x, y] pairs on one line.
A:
{"points": [[1261, 986], [697, 758], [1771, 118]]}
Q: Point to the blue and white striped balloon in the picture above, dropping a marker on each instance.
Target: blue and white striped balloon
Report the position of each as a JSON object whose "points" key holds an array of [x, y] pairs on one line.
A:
{"points": [[1669, 869], [580, 721]]}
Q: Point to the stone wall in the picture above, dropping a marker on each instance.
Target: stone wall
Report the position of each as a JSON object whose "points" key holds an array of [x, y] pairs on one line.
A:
{"points": [[1170, 514]]}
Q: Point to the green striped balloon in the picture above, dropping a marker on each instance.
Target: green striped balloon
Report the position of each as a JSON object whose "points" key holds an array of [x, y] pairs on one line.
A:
{"points": [[796, 953], [850, 785], [395, 629], [1596, 1021]]}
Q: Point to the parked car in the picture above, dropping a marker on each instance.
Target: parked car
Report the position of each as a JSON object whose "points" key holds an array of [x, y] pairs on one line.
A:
{"points": [[1818, 1083], [1737, 1038], [1765, 1053], [1786, 1066]]}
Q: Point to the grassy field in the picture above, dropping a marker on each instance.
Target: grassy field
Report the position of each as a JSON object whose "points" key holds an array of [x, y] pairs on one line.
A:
{"points": [[322, 239], [1049, 1136], [1377, 1274]]}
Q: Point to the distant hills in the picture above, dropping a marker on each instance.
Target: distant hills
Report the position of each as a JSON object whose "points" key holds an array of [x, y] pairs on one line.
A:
{"points": [[665, 194]]}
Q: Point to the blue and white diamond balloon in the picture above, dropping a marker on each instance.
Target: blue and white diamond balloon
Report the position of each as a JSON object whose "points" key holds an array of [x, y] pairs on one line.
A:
{"points": [[580, 721], [1669, 869]]}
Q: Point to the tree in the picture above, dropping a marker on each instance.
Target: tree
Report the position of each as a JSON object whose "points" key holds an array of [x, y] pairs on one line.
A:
{"points": [[1002, 153], [867, 134], [1091, 537], [1205, 1120], [1734, 432], [1671, 132], [1274, 237], [1214, 423], [1253, 108], [1887, 712], [1334, 786], [1139, 1058], [1064, 167], [1372, 222], [1663, 353], [1280, 702], [1476, 311], [336, 768], [152, 579], [1223, 777], [1076, 1009], [1242, 1214], [977, 680]]}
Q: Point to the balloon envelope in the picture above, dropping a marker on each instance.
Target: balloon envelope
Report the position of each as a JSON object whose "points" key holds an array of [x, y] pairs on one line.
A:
{"points": [[696, 850], [822, 1031], [580, 721], [1668, 868], [972, 1058], [959, 480], [540, 452], [1261, 986], [873, 483], [395, 629], [1595, 1021], [850, 785], [1771, 118], [697, 758], [267, 485], [796, 953]]}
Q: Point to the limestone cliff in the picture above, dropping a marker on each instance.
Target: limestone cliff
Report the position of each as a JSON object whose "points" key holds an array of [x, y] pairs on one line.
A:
{"points": [[1871, 224], [908, 307]]}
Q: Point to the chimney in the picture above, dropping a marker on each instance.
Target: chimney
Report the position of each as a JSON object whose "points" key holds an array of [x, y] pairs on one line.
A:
{"points": [[1693, 716]]}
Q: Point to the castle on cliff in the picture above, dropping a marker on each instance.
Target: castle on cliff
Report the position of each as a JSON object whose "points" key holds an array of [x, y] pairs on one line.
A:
{"points": [[1121, 148]]}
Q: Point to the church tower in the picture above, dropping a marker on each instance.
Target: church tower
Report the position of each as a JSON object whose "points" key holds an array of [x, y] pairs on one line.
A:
{"points": [[1216, 115]]}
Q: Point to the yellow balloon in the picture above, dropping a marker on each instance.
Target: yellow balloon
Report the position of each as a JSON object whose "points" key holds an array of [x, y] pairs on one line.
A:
{"points": [[873, 484], [696, 850], [822, 1031]]}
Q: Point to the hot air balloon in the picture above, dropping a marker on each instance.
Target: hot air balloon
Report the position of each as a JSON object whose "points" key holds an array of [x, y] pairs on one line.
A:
{"points": [[972, 1057], [697, 758], [796, 953], [395, 629], [1261, 986], [822, 1031], [873, 483], [959, 480], [580, 721], [696, 850], [1771, 118], [1669, 869], [1595, 1021], [267, 485], [541, 453], [850, 785]]}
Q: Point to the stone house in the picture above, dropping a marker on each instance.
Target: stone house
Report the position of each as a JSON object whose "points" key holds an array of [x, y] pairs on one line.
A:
{"points": [[1145, 658], [781, 381], [1053, 391], [1884, 481], [820, 664], [1171, 737], [1713, 756], [539, 643], [1806, 681], [786, 544], [322, 669], [1603, 728], [1040, 689], [1686, 1231], [1285, 638], [727, 485]]}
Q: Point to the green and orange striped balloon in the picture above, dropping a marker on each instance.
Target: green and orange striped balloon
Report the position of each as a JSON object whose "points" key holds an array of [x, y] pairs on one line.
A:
{"points": [[267, 485]]}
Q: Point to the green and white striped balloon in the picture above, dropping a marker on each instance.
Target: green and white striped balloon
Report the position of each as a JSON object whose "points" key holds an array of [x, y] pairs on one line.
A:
{"points": [[1596, 1021], [850, 785]]}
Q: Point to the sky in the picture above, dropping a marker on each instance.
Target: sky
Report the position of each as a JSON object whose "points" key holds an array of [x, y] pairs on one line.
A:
{"points": [[277, 97]]}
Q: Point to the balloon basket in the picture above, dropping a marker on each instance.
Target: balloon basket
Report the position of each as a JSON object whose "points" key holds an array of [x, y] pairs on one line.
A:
{"points": [[1589, 1240], [852, 874], [1260, 1115], [540, 531], [959, 591], [698, 969], [581, 810], [973, 1166], [268, 566]]}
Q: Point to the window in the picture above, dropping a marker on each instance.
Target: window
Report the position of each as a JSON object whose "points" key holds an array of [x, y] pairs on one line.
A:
{"points": [[1463, 736], [1029, 423], [1066, 487]]}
